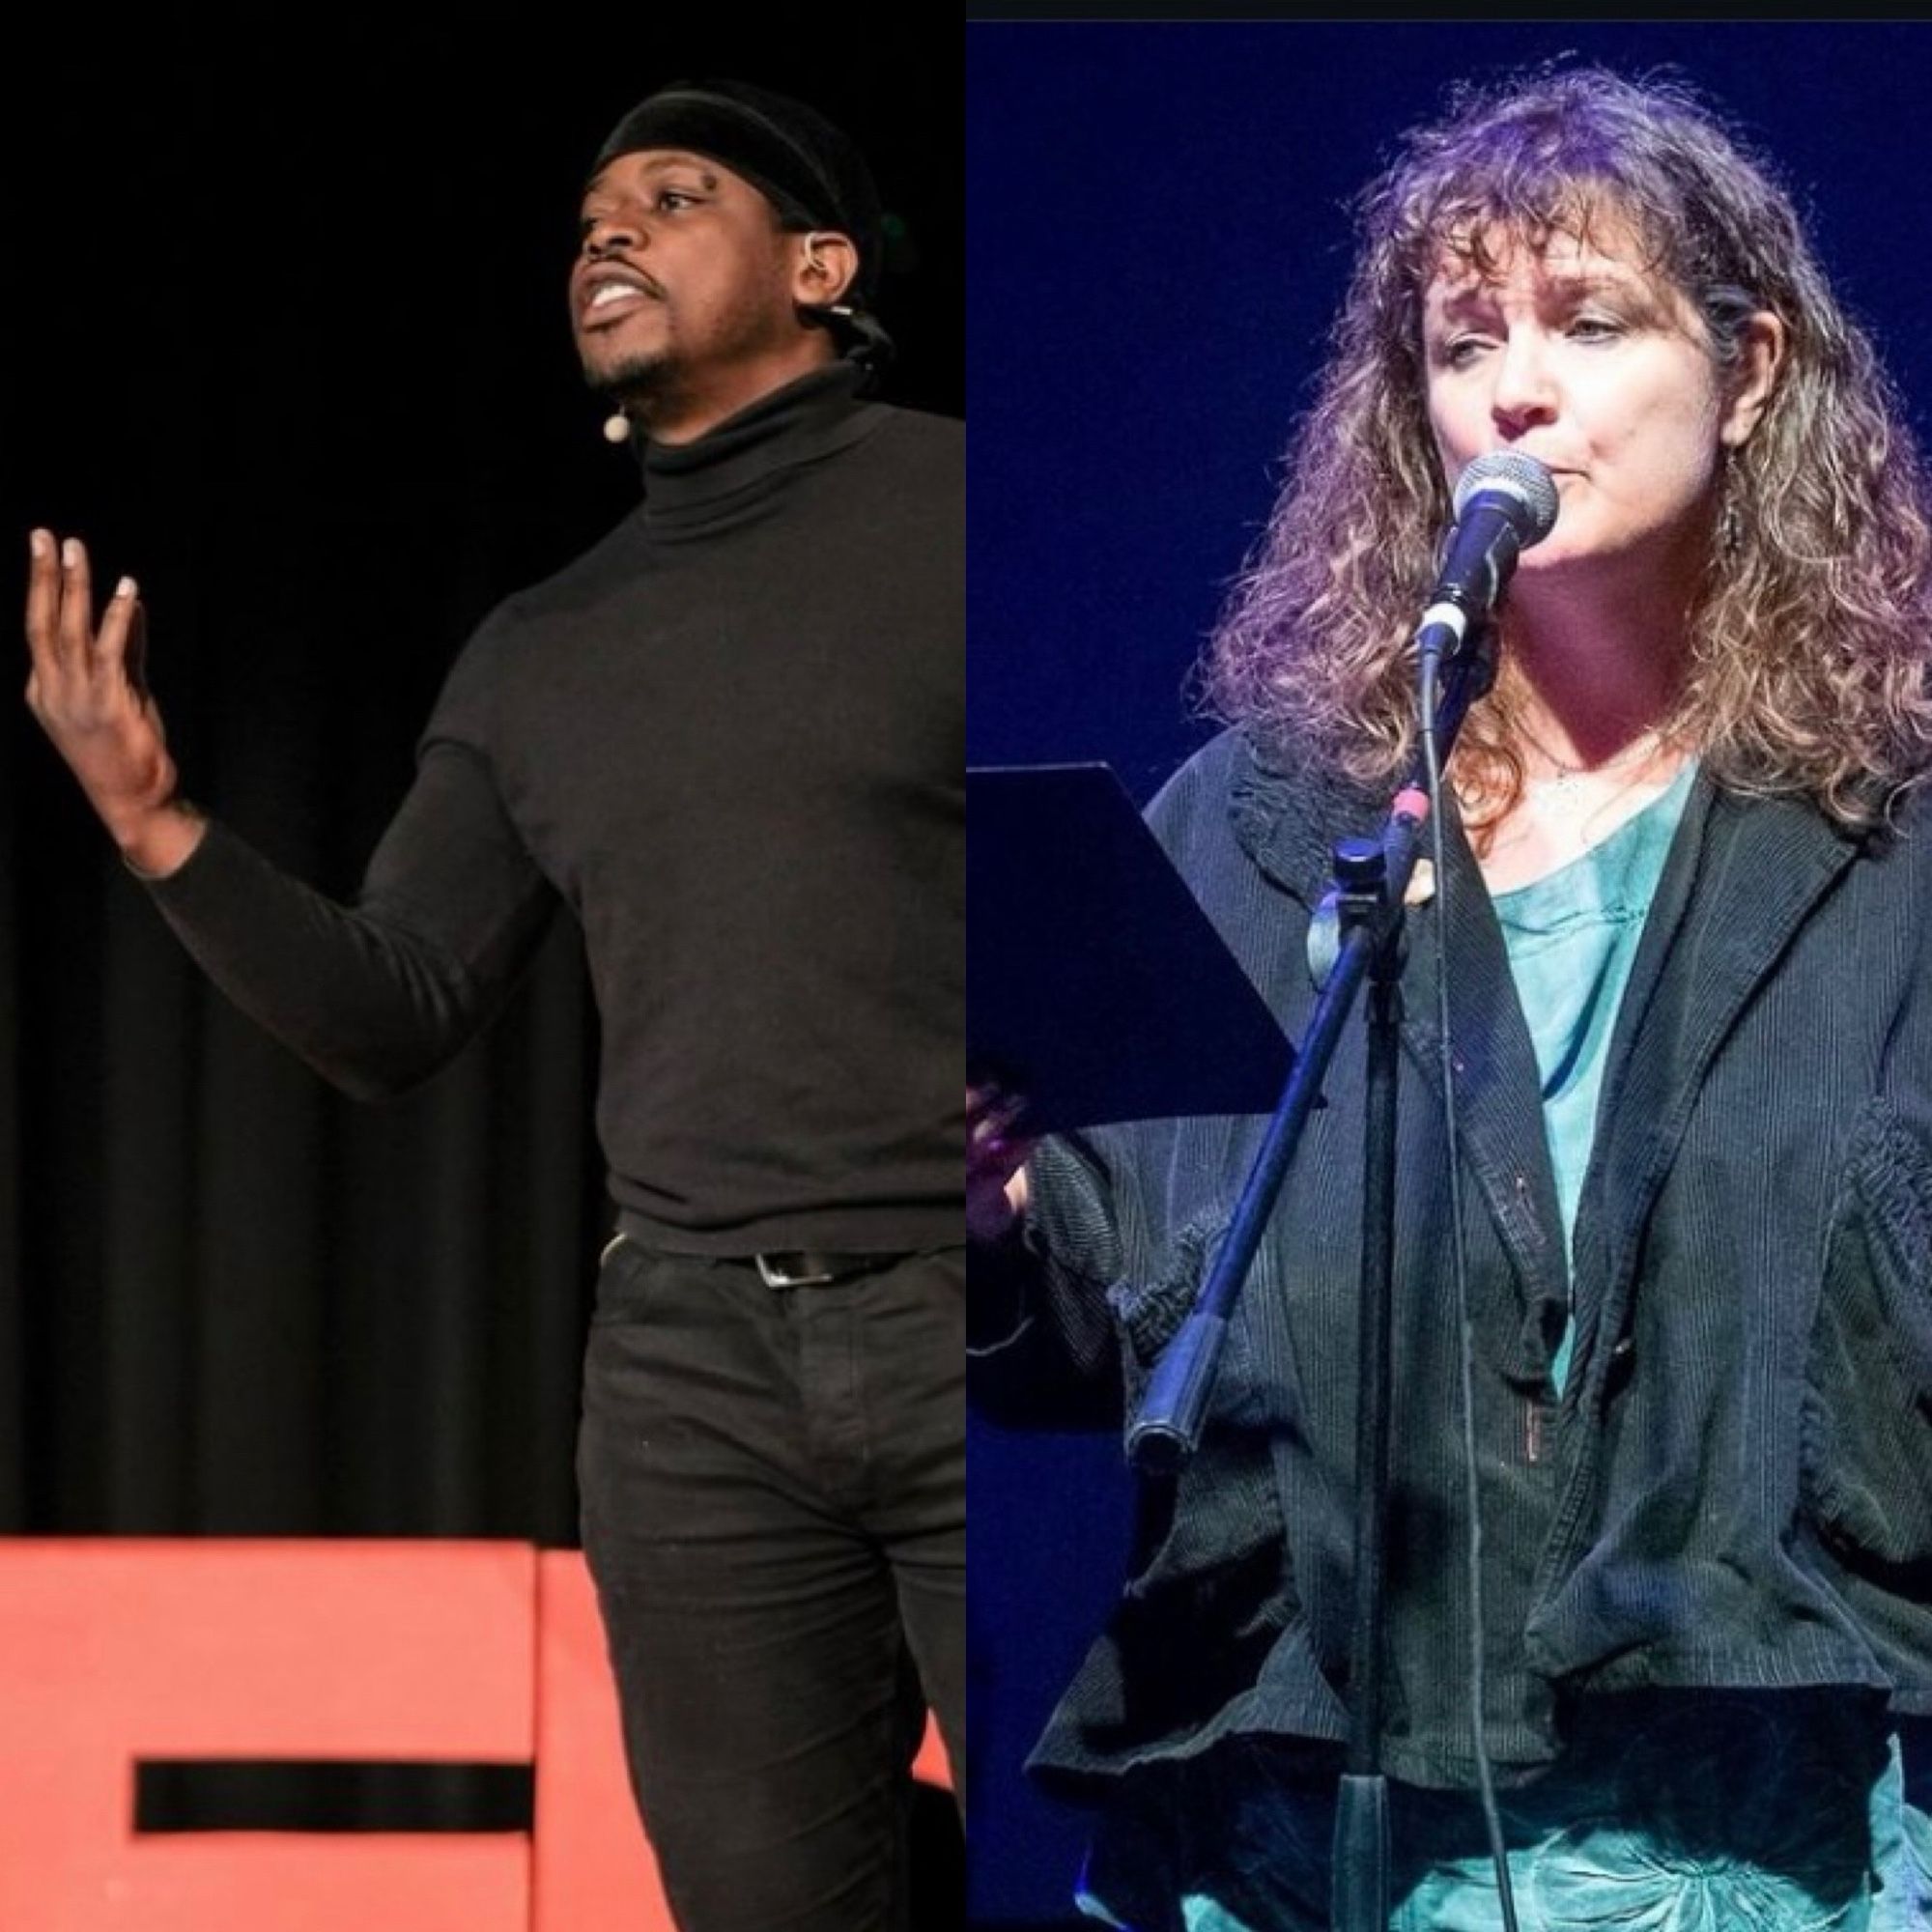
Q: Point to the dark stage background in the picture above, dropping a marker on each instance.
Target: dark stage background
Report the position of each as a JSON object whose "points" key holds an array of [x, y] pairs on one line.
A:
{"points": [[288, 342], [1158, 242]]}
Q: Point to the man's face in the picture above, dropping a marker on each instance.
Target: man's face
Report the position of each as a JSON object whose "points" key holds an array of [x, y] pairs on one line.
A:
{"points": [[683, 278]]}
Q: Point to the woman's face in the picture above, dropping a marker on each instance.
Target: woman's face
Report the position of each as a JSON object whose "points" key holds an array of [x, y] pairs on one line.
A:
{"points": [[1577, 356]]}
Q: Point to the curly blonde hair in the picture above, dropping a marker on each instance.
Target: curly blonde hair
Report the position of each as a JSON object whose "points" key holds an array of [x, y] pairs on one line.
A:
{"points": [[1806, 665]]}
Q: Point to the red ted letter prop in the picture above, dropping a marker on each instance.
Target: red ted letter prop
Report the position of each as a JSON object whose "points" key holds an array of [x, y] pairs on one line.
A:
{"points": [[121, 1649]]}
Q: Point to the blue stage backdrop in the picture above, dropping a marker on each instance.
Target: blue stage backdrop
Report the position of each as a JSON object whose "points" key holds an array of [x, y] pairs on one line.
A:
{"points": [[1158, 237]]}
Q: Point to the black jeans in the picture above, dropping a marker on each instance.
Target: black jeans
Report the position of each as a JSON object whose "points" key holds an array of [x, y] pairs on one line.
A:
{"points": [[773, 1494]]}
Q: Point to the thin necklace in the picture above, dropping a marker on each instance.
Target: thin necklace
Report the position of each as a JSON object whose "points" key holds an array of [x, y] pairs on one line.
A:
{"points": [[1568, 777]]}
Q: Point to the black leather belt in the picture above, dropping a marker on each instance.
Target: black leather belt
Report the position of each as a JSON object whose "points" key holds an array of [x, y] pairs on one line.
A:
{"points": [[782, 1267], [807, 1267]]}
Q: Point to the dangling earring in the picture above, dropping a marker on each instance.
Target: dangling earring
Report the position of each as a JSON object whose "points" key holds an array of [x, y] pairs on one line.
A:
{"points": [[1730, 519], [617, 427]]}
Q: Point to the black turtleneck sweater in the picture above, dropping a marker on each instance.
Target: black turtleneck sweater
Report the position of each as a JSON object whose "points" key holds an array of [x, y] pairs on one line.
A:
{"points": [[730, 738]]}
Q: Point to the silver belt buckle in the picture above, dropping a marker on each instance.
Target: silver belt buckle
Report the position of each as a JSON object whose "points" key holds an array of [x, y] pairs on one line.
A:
{"points": [[775, 1278]]}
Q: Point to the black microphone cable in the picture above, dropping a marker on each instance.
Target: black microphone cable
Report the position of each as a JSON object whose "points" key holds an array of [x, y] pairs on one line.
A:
{"points": [[1472, 1498], [1504, 503], [1467, 594]]}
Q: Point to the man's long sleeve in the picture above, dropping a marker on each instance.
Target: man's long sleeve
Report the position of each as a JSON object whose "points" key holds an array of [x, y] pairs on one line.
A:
{"points": [[376, 996]]}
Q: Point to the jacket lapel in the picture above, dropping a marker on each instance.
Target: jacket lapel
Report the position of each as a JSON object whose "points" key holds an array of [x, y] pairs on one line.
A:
{"points": [[1741, 878], [1498, 1104]]}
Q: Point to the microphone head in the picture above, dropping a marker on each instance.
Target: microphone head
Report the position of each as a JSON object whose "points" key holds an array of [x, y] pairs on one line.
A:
{"points": [[1520, 485]]}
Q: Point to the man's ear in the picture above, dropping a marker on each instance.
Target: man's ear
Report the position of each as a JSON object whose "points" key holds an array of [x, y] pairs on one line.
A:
{"points": [[825, 266]]}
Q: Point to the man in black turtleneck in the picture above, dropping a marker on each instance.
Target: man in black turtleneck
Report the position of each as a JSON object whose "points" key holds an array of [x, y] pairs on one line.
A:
{"points": [[729, 737]]}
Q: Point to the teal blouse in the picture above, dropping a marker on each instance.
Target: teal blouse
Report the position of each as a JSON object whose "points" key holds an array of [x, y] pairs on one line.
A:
{"points": [[1572, 938]]}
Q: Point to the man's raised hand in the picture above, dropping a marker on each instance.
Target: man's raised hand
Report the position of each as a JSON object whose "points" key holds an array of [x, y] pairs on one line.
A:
{"points": [[87, 690]]}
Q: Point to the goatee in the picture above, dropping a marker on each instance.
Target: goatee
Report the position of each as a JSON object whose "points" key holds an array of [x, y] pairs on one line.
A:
{"points": [[637, 380]]}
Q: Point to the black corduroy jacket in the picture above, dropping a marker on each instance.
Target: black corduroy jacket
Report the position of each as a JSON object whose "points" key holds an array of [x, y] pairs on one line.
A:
{"points": [[1735, 1487]]}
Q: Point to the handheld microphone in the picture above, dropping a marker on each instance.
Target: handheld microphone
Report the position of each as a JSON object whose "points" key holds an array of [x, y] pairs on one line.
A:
{"points": [[1504, 504]]}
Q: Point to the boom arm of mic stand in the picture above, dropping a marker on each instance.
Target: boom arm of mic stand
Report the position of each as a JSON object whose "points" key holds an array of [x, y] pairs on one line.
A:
{"points": [[1167, 1429]]}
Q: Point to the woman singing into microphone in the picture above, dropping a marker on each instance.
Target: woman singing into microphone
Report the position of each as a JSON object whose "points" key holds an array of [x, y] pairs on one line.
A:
{"points": [[1687, 924]]}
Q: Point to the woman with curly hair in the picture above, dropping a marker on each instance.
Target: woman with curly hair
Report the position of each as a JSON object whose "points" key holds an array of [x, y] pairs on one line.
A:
{"points": [[1689, 942]]}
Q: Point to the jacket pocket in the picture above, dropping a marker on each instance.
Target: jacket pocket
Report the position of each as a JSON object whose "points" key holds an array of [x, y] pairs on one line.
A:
{"points": [[1867, 1424]]}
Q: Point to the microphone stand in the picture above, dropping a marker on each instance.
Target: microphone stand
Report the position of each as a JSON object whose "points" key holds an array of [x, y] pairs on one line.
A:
{"points": [[1371, 876]]}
